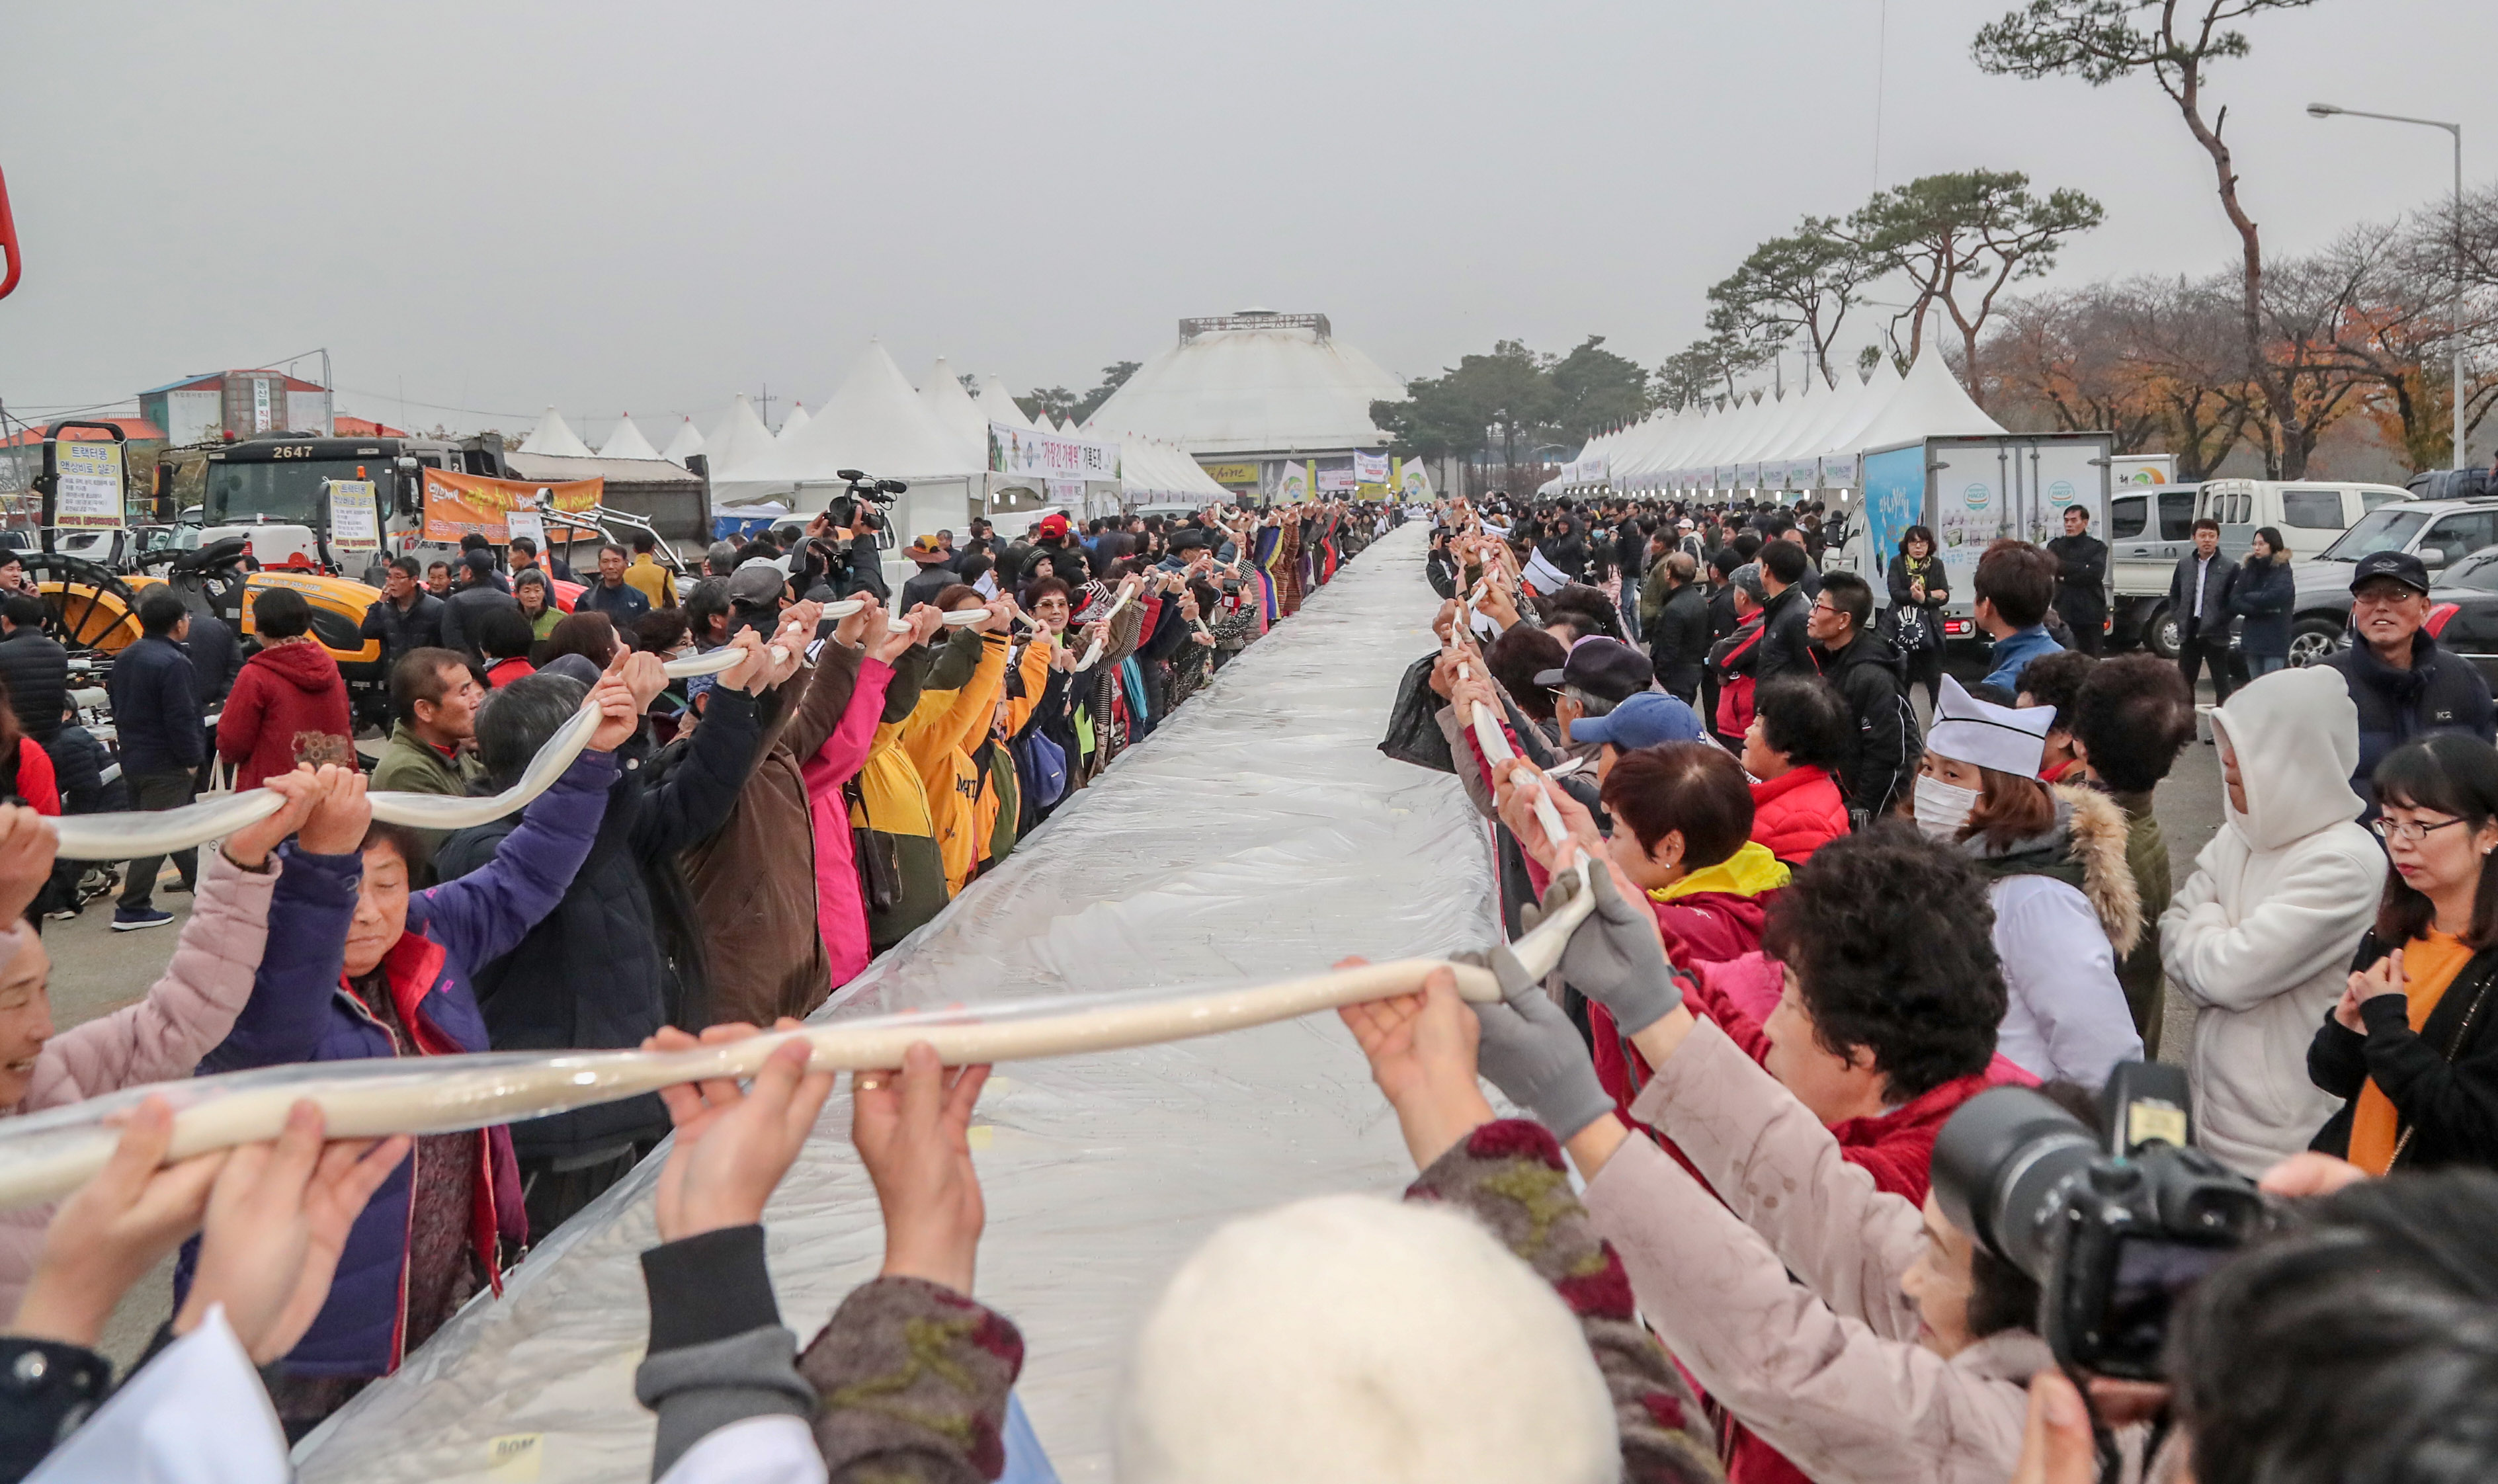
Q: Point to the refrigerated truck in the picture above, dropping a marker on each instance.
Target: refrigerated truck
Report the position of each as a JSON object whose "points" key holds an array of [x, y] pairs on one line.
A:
{"points": [[1971, 491]]}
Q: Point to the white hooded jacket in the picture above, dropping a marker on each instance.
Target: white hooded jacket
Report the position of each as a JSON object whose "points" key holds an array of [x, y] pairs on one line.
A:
{"points": [[2260, 937]]}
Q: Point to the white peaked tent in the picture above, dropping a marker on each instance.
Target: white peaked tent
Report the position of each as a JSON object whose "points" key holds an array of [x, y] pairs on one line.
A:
{"points": [[875, 421], [1153, 470], [953, 407], [1929, 404], [998, 404], [626, 442], [555, 438], [737, 444], [796, 420], [687, 443]]}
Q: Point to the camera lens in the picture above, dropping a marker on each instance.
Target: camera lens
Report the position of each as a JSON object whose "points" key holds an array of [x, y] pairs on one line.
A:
{"points": [[1997, 1165]]}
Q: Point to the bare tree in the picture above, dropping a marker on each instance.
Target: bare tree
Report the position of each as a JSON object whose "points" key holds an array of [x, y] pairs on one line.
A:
{"points": [[2175, 41]]}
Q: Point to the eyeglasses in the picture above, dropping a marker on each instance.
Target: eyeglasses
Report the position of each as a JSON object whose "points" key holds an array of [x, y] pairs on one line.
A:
{"points": [[2410, 833]]}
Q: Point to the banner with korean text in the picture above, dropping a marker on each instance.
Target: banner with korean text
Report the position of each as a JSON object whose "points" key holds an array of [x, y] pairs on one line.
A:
{"points": [[456, 504], [1049, 455]]}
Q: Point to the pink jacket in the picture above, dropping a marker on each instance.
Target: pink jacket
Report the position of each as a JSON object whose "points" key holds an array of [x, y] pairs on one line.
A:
{"points": [[160, 1039], [1827, 1369], [841, 913]]}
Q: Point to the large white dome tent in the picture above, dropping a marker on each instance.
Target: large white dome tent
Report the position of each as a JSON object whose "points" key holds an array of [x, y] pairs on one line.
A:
{"points": [[1258, 388], [791, 425]]}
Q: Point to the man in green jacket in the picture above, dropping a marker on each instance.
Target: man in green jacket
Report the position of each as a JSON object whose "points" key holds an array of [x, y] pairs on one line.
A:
{"points": [[432, 749]]}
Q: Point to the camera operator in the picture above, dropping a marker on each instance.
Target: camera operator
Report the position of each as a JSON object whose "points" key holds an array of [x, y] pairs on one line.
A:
{"points": [[839, 553], [1903, 1351]]}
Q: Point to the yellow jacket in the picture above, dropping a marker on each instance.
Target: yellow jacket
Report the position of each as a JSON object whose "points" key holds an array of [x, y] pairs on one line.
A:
{"points": [[939, 736], [653, 581]]}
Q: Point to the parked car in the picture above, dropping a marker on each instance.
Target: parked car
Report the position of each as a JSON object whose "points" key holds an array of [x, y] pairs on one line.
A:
{"points": [[2149, 531], [2441, 532], [2464, 609]]}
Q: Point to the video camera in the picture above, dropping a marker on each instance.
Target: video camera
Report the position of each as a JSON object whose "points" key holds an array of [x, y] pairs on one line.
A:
{"points": [[2113, 1235], [861, 506]]}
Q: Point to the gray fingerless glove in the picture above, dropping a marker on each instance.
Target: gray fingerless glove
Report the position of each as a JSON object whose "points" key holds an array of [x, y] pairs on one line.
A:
{"points": [[1533, 1054], [1616, 957]]}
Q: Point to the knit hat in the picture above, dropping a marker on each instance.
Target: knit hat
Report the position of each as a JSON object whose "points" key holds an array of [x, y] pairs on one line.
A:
{"points": [[1981, 733], [1349, 1340], [1748, 578]]}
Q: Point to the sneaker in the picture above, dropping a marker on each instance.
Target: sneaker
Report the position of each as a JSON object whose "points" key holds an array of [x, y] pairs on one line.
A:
{"points": [[130, 920], [63, 913]]}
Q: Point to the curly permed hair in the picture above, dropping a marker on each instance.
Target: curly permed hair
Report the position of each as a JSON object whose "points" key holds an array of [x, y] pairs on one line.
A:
{"points": [[1891, 938]]}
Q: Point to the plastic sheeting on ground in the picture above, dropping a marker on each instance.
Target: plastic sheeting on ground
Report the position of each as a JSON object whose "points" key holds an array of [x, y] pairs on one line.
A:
{"points": [[1257, 833]]}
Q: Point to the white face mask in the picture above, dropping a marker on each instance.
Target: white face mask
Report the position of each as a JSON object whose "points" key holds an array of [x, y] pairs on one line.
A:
{"points": [[1943, 808]]}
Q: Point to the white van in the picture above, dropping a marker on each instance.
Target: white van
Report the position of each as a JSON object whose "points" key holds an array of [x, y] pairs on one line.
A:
{"points": [[2149, 530]]}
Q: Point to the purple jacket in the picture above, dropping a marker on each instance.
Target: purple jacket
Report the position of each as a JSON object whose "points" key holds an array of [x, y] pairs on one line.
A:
{"points": [[300, 1010]]}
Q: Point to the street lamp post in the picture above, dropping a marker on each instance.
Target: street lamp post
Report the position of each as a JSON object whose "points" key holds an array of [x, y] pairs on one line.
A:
{"points": [[2327, 111]]}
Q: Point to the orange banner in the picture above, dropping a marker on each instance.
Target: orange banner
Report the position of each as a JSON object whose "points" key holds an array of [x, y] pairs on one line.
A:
{"points": [[456, 504]]}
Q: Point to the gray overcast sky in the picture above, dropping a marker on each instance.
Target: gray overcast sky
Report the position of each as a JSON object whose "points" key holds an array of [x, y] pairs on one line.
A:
{"points": [[648, 206]]}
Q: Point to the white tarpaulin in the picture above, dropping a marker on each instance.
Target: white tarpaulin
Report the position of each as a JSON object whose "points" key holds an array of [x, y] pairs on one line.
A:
{"points": [[1257, 832]]}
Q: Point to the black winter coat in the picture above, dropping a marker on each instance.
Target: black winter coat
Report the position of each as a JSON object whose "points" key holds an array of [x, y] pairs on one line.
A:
{"points": [[2441, 1079], [419, 626], [465, 608], [1678, 639], [2440, 691], [36, 670], [1899, 580], [2219, 578], [2264, 595], [2081, 581], [1783, 640], [1873, 675], [156, 708], [592, 974]]}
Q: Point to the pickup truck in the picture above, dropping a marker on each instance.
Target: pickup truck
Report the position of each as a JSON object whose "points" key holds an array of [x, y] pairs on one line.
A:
{"points": [[2149, 530]]}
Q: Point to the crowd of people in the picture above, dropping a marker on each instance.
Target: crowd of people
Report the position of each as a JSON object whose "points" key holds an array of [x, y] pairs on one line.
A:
{"points": [[727, 850], [1819, 923]]}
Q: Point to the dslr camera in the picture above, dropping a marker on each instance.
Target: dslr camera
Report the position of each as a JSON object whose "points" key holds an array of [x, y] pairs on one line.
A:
{"points": [[2114, 1233], [861, 506]]}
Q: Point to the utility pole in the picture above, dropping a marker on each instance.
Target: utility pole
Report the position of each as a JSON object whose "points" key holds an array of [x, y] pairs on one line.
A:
{"points": [[2328, 110]]}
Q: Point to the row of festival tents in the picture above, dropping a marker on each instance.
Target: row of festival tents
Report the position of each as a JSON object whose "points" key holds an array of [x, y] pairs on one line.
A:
{"points": [[879, 422], [1809, 439]]}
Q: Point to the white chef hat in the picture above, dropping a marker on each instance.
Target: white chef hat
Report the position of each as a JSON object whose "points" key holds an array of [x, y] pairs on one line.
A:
{"points": [[1970, 730]]}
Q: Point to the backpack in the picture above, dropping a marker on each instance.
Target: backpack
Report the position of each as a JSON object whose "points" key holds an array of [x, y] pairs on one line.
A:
{"points": [[1042, 766]]}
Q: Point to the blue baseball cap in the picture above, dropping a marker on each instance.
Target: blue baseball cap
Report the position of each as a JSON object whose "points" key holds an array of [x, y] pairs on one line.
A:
{"points": [[1644, 720]]}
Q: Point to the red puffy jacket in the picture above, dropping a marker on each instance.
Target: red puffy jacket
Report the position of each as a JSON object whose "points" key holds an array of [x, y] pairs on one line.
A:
{"points": [[283, 693], [1797, 813]]}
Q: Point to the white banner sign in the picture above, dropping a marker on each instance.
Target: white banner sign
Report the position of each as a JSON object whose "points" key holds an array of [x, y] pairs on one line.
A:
{"points": [[1370, 468], [88, 497], [1049, 455], [526, 523], [1336, 481], [1594, 470], [355, 516], [1068, 492]]}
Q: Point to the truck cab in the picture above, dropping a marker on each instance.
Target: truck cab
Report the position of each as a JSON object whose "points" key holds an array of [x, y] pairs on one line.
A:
{"points": [[281, 480], [2151, 529]]}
